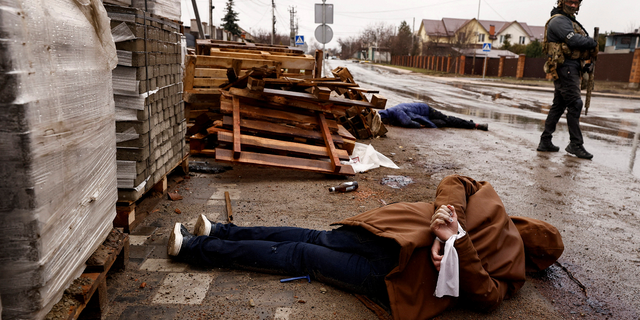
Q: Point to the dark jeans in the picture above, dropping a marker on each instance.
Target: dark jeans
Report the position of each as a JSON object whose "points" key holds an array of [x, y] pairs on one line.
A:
{"points": [[443, 121], [350, 258], [566, 97]]}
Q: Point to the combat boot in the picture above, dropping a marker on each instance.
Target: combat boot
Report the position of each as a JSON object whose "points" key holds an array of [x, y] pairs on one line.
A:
{"points": [[578, 150], [547, 146]]}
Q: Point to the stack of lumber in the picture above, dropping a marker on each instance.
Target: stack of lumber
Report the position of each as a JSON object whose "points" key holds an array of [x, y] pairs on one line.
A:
{"points": [[147, 86], [217, 61], [58, 154], [265, 118], [360, 121]]}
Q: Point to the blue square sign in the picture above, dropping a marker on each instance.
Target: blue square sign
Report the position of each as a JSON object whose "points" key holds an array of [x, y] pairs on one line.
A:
{"points": [[299, 40], [486, 47]]}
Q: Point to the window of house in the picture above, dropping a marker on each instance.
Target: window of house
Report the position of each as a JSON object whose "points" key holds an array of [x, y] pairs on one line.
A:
{"points": [[481, 37], [521, 40], [501, 39]]}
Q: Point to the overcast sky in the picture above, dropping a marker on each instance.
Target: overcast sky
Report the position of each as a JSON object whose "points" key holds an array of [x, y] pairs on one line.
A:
{"points": [[353, 16]]}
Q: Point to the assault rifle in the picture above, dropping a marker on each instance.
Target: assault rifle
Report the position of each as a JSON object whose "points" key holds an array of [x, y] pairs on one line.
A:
{"points": [[591, 73]]}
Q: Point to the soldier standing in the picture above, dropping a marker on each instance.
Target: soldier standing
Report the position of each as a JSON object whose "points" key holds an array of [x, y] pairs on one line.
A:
{"points": [[567, 45]]}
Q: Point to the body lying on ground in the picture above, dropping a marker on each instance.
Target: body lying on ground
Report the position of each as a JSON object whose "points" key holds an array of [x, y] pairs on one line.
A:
{"points": [[414, 259], [421, 115]]}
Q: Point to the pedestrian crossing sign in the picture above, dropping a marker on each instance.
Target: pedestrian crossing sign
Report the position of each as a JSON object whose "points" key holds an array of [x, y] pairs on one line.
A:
{"points": [[299, 40], [486, 47]]}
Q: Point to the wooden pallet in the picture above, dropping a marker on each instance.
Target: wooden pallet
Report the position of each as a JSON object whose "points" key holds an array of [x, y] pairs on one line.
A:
{"points": [[258, 130], [86, 297]]}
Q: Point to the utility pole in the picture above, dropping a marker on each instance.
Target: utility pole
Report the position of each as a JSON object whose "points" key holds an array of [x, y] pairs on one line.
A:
{"points": [[273, 15], [195, 9], [294, 30], [473, 70], [211, 7]]}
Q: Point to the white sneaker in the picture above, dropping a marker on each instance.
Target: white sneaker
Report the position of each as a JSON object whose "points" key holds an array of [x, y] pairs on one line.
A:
{"points": [[203, 226], [175, 240]]}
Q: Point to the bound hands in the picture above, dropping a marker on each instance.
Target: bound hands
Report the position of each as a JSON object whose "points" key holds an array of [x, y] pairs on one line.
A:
{"points": [[444, 224]]}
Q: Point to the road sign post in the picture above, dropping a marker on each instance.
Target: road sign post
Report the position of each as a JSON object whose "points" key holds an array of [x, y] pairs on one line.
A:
{"points": [[323, 15], [299, 40], [486, 47]]}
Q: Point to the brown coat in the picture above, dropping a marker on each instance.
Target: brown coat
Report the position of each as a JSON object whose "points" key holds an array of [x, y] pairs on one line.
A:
{"points": [[491, 257]]}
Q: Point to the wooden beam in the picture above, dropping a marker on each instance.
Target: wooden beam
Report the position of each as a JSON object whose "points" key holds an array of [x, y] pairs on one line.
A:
{"points": [[286, 62], [283, 146], [222, 62], [227, 199], [236, 127], [331, 148], [277, 129], [259, 112], [317, 71], [322, 93], [378, 101], [270, 160], [189, 72], [280, 100]]}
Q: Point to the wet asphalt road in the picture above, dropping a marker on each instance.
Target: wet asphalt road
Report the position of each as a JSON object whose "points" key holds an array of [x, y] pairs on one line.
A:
{"points": [[608, 129], [594, 204]]}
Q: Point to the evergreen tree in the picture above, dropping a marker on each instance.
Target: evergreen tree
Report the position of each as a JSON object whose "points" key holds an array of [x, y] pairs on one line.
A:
{"points": [[534, 49], [401, 45], [230, 18]]}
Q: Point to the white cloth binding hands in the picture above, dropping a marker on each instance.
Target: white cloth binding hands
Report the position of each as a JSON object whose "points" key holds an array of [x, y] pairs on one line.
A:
{"points": [[449, 276]]}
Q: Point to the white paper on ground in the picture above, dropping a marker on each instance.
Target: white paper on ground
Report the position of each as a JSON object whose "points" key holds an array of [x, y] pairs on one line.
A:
{"points": [[365, 157]]}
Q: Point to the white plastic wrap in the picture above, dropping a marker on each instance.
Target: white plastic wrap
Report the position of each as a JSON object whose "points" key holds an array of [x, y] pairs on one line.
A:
{"points": [[57, 147]]}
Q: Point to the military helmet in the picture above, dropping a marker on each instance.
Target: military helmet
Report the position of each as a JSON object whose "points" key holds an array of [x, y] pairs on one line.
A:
{"points": [[568, 10]]}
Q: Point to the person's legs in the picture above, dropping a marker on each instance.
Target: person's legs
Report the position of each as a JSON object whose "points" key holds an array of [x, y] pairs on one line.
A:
{"points": [[349, 271], [344, 239], [569, 75], [442, 121], [557, 109]]}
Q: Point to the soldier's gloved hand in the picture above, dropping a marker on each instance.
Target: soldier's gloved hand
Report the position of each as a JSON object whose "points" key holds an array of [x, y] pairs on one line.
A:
{"points": [[588, 68]]}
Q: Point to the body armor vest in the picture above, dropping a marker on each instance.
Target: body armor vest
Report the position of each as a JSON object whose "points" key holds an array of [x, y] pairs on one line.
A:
{"points": [[557, 52]]}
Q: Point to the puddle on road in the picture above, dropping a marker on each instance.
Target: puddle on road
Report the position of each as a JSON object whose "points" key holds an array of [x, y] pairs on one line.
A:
{"points": [[396, 182]]}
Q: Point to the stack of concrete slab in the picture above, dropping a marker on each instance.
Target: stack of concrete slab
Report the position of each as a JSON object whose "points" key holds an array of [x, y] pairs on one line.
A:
{"points": [[57, 148], [147, 87]]}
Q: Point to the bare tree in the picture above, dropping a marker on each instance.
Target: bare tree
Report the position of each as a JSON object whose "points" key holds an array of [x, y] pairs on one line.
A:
{"points": [[263, 36], [349, 46]]}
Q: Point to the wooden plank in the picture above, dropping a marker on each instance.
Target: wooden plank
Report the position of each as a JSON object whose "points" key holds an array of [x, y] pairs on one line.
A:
{"points": [[193, 96], [205, 91], [227, 199], [285, 146], [287, 62], [308, 96], [190, 66], [277, 129], [261, 113], [379, 101], [317, 71], [319, 166], [326, 134], [322, 93], [283, 101], [254, 84], [211, 73], [208, 82], [363, 90], [236, 127], [222, 62]]}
